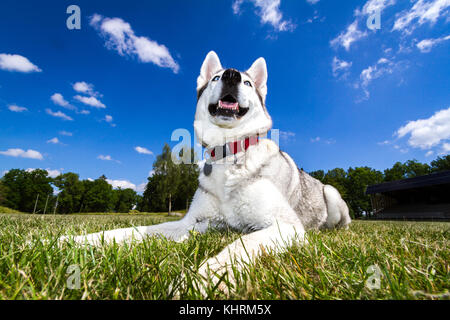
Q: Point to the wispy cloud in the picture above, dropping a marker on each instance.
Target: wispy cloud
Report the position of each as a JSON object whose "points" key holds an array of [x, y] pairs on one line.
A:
{"points": [[58, 114], [340, 67], [54, 140], [16, 108], [120, 37], [349, 36], [19, 153], [66, 133], [421, 12], [143, 150], [107, 158], [268, 12], [90, 101], [382, 67], [59, 100], [352, 33], [427, 44], [17, 63]]}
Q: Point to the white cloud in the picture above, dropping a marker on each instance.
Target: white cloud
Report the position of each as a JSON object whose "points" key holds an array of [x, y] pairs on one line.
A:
{"points": [[84, 87], [54, 140], [372, 6], [59, 100], [15, 108], [422, 11], [312, 1], [108, 118], [143, 150], [120, 36], [58, 114], [316, 139], [90, 101], [428, 133], [141, 187], [340, 67], [30, 154], [287, 135], [102, 157], [352, 34], [427, 44], [349, 36], [382, 67], [445, 148], [123, 184], [66, 133], [51, 173], [429, 153], [269, 13], [84, 112], [15, 62]]}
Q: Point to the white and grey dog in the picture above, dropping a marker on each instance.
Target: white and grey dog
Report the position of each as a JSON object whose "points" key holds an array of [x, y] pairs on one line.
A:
{"points": [[247, 184]]}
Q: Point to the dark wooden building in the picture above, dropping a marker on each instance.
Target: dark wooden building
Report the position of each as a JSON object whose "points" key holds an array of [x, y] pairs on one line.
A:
{"points": [[420, 198]]}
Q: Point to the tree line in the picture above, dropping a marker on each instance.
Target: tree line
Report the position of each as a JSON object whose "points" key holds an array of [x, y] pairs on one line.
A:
{"points": [[352, 183], [172, 187]]}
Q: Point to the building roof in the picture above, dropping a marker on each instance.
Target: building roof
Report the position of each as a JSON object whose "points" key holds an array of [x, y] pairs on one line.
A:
{"points": [[411, 183]]}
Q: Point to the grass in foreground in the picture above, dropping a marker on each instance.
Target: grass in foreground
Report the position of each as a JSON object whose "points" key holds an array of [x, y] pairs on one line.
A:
{"points": [[413, 258]]}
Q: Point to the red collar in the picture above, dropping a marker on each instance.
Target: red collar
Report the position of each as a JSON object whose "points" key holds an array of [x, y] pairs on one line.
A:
{"points": [[232, 148]]}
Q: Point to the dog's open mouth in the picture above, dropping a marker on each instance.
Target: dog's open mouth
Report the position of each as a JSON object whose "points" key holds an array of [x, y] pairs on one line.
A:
{"points": [[227, 106]]}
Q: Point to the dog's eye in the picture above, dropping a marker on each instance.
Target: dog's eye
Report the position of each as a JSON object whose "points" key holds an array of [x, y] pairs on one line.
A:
{"points": [[216, 78], [247, 83]]}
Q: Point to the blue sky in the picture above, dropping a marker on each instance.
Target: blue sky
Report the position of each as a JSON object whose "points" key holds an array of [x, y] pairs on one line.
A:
{"points": [[104, 99]]}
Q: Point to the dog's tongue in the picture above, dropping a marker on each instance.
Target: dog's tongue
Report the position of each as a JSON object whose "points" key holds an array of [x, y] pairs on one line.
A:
{"points": [[228, 105]]}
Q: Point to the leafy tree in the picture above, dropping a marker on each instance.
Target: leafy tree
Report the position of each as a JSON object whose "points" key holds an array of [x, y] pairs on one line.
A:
{"points": [[415, 169], [167, 187], [3, 193], [397, 172], [24, 187], [71, 192], [337, 178], [358, 179], [172, 185], [319, 175], [125, 199], [188, 178], [441, 164], [98, 196]]}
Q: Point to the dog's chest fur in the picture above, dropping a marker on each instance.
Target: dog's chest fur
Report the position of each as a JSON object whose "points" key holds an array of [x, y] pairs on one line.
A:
{"points": [[232, 179]]}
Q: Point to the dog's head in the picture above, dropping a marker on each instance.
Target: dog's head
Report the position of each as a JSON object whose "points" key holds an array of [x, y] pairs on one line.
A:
{"points": [[231, 104]]}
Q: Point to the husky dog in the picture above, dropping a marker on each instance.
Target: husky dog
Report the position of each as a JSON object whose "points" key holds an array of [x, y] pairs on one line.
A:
{"points": [[247, 184]]}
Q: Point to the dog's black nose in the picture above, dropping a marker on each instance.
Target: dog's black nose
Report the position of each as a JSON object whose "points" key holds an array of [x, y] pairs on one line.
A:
{"points": [[231, 77]]}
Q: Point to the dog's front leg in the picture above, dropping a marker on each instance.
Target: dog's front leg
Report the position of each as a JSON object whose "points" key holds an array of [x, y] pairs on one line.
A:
{"points": [[203, 206], [273, 239]]}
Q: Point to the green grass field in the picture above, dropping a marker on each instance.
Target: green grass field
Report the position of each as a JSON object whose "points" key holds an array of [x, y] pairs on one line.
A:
{"points": [[413, 258]]}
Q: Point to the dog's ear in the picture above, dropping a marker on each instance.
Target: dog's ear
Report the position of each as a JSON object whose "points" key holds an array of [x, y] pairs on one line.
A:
{"points": [[258, 73], [210, 66]]}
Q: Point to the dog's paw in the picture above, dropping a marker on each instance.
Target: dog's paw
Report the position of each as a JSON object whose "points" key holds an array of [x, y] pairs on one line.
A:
{"points": [[213, 274]]}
